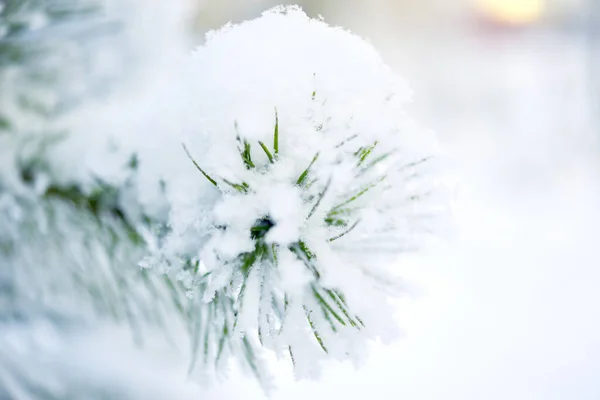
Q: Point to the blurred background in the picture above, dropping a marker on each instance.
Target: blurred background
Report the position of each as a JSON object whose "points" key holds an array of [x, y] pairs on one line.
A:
{"points": [[509, 309]]}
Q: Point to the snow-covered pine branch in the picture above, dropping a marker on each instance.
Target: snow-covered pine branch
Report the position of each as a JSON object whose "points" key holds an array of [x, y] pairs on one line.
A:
{"points": [[266, 185], [69, 240], [296, 182]]}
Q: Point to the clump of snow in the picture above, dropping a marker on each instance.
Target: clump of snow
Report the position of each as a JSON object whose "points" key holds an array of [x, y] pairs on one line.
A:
{"points": [[300, 181]]}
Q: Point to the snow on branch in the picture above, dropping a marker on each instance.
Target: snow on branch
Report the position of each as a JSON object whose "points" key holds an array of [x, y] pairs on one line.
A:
{"points": [[299, 181]]}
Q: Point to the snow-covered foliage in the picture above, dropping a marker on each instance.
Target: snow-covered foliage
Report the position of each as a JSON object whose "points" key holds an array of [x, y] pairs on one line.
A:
{"points": [[265, 186], [69, 242], [299, 181]]}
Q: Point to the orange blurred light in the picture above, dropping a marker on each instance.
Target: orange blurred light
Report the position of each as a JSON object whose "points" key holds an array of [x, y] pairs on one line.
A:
{"points": [[512, 12]]}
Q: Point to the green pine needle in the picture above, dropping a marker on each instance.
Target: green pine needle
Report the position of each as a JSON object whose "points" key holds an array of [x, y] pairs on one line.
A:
{"points": [[174, 295], [248, 260], [292, 356], [346, 141], [267, 152], [347, 231], [207, 332], [242, 188], [415, 163], [357, 195], [305, 250], [276, 135], [304, 254], [332, 221], [195, 337], [341, 305], [364, 153], [225, 334], [320, 197], [378, 160], [304, 174], [274, 250], [222, 343], [251, 357], [211, 180], [247, 155], [312, 326], [327, 309]]}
